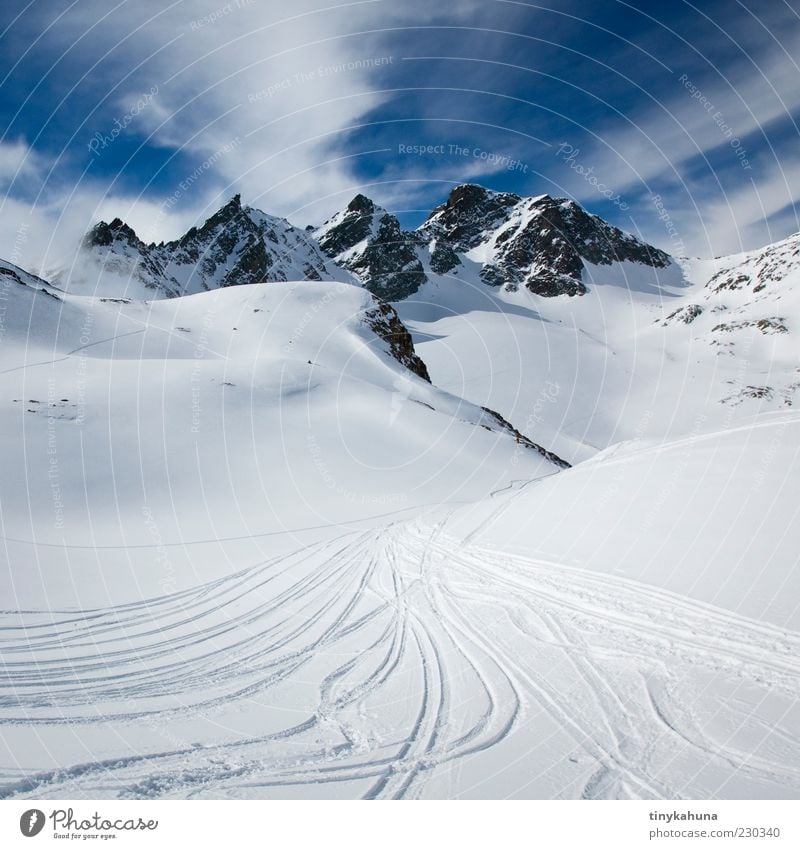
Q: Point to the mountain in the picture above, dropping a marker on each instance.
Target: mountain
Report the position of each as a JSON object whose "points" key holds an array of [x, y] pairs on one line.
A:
{"points": [[237, 245], [545, 245], [541, 243], [466, 283], [748, 314], [367, 240]]}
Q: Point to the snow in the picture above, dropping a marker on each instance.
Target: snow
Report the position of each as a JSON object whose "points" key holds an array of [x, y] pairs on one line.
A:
{"points": [[581, 374], [249, 554], [464, 653], [711, 517], [234, 414]]}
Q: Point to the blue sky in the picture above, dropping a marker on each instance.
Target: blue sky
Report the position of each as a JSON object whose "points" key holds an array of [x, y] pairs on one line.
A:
{"points": [[158, 113]]}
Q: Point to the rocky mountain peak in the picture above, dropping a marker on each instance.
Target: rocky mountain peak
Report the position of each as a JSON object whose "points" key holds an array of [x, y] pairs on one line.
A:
{"points": [[103, 234], [470, 195], [362, 205], [236, 245], [371, 243], [541, 243], [232, 211], [466, 215]]}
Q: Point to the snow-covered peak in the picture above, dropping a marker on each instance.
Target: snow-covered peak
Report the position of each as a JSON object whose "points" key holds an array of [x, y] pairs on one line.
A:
{"points": [[468, 215], [543, 244], [236, 245], [240, 245], [350, 229], [113, 260], [369, 241], [538, 242]]}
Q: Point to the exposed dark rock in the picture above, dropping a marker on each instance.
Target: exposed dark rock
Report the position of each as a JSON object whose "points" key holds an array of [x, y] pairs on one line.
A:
{"points": [[470, 211], [443, 259], [767, 326], [523, 440], [685, 314], [236, 245], [103, 234], [386, 324], [540, 243], [371, 243], [601, 243]]}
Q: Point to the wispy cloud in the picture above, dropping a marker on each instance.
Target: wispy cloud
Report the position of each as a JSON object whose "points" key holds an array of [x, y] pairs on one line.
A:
{"points": [[311, 103]]}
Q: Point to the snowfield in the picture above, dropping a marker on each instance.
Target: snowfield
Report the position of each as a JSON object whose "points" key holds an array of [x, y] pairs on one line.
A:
{"points": [[236, 415], [249, 552], [652, 353], [416, 660]]}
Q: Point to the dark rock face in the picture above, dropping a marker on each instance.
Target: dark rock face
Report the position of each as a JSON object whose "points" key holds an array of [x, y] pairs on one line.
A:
{"points": [[601, 243], [353, 227], [464, 219], [523, 440], [443, 258], [539, 254], [370, 242], [386, 324], [540, 243], [118, 249], [103, 234], [361, 205], [239, 245]]}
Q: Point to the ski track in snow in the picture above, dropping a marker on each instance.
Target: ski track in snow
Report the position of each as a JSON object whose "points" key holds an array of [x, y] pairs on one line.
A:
{"points": [[392, 663]]}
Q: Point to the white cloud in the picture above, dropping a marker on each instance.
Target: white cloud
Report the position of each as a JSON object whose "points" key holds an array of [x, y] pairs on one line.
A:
{"points": [[17, 161], [658, 149], [288, 83], [41, 237], [285, 84]]}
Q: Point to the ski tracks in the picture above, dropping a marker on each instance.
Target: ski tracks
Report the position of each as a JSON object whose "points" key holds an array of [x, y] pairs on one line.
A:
{"points": [[400, 663]]}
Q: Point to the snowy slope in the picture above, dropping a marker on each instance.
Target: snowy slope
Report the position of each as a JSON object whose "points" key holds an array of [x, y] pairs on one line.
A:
{"points": [[247, 411], [712, 517], [748, 312], [252, 552], [500, 649], [646, 352]]}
